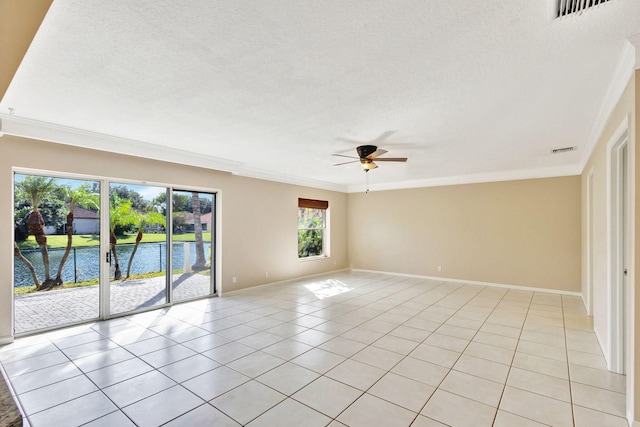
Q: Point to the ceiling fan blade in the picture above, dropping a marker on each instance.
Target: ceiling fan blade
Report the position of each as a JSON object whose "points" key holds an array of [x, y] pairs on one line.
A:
{"points": [[349, 140], [348, 150], [346, 163], [391, 159], [382, 137], [342, 155], [378, 152]]}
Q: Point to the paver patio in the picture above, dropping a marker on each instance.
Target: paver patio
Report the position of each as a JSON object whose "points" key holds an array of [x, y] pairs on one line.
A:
{"points": [[64, 306]]}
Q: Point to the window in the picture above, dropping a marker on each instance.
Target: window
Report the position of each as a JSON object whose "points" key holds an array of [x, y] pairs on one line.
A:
{"points": [[312, 226]]}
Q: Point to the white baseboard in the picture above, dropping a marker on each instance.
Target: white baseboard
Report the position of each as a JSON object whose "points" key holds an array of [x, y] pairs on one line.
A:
{"points": [[281, 282], [602, 345], [6, 340], [474, 282]]}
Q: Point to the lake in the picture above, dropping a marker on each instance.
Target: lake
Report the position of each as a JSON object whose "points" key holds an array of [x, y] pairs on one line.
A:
{"points": [[83, 261]]}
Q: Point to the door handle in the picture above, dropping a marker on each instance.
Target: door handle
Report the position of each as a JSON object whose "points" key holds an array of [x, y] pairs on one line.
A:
{"points": [[109, 258]]}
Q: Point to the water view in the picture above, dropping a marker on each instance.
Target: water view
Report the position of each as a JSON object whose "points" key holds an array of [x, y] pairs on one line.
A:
{"points": [[83, 262]]}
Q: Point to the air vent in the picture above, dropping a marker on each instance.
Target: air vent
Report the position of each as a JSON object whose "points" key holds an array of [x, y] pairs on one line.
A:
{"points": [[563, 150], [569, 7]]}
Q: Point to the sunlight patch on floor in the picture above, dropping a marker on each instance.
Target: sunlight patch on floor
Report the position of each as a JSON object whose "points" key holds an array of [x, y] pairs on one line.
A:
{"points": [[328, 288]]}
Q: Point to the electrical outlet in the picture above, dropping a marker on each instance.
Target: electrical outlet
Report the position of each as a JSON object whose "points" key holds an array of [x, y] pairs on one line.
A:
{"points": [[234, 279], [439, 268], [266, 274]]}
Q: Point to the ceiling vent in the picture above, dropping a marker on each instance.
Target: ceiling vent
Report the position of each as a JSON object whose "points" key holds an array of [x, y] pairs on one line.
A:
{"points": [[563, 150], [570, 7]]}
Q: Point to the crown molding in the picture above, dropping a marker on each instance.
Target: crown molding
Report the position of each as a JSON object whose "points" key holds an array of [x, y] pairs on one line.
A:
{"points": [[43, 131], [634, 40], [514, 175], [628, 62], [34, 129], [289, 179], [28, 128]]}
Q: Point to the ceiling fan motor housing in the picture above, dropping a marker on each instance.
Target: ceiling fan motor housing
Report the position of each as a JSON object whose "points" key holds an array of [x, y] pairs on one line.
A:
{"points": [[366, 150]]}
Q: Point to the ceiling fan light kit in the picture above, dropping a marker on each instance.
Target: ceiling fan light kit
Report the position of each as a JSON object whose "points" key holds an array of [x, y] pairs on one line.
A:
{"points": [[367, 165]]}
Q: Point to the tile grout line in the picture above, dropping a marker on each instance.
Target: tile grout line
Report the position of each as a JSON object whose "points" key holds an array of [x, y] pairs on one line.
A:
{"points": [[407, 355], [432, 332], [14, 395], [253, 303], [515, 352], [369, 345], [84, 374], [566, 349]]}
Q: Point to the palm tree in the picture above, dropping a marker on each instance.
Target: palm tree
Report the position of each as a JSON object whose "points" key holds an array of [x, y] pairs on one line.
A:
{"points": [[197, 228], [81, 196], [142, 220], [18, 253], [120, 214], [36, 189]]}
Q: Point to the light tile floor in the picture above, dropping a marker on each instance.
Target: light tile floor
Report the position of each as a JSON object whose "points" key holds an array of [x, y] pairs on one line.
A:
{"points": [[350, 349]]}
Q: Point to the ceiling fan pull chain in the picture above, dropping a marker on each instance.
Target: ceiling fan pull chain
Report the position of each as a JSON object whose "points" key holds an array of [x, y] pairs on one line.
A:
{"points": [[367, 175]]}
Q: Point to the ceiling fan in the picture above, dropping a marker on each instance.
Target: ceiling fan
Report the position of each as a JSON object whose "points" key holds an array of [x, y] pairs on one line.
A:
{"points": [[366, 156]]}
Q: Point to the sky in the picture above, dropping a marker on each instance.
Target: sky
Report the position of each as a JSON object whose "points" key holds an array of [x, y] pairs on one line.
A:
{"points": [[147, 192], [73, 183]]}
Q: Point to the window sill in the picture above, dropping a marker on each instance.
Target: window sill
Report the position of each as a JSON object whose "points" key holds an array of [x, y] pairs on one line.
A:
{"points": [[313, 258]]}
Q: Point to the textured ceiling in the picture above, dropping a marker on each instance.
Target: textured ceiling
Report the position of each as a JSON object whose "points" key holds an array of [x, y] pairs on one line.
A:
{"points": [[272, 89]]}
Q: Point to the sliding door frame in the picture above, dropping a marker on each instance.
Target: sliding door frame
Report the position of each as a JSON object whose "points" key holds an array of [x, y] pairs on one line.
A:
{"points": [[62, 175], [215, 253], [104, 249]]}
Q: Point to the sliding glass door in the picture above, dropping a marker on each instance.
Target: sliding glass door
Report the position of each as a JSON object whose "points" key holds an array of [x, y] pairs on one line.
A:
{"points": [[193, 231], [56, 251], [70, 236], [137, 247]]}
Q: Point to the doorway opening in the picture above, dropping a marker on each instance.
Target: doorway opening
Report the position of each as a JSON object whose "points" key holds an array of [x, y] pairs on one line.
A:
{"points": [[589, 268], [618, 239]]}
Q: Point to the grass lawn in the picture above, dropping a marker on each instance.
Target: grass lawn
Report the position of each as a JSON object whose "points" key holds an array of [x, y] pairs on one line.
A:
{"points": [[60, 241]]}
